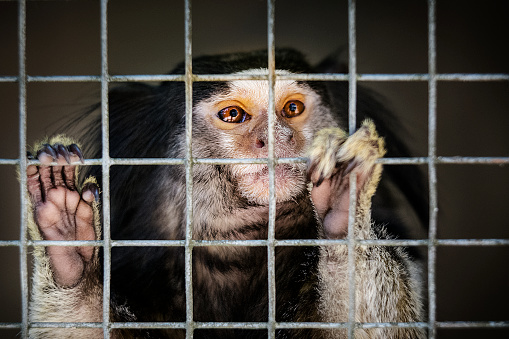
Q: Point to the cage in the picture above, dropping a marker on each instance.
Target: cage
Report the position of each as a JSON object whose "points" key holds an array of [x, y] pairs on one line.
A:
{"points": [[439, 64]]}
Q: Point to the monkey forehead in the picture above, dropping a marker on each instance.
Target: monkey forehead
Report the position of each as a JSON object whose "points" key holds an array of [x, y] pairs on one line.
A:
{"points": [[256, 92]]}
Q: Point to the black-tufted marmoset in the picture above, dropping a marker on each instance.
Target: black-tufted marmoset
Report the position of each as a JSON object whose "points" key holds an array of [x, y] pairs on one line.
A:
{"points": [[230, 120]]}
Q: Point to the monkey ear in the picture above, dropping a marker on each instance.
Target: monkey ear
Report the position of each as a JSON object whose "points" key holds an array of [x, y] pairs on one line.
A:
{"points": [[333, 63]]}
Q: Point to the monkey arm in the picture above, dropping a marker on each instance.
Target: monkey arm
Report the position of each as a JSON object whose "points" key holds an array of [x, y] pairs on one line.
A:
{"points": [[67, 284], [385, 284]]}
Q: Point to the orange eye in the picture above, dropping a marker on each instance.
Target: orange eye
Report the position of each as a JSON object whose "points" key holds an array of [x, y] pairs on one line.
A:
{"points": [[292, 109], [233, 114]]}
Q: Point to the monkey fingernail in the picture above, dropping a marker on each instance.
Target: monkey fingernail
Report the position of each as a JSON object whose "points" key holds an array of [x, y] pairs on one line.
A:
{"points": [[47, 154], [74, 149], [31, 170], [90, 192], [349, 168], [62, 151], [319, 181]]}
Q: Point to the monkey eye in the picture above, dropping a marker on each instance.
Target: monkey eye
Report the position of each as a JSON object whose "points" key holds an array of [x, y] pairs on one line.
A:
{"points": [[233, 114], [292, 109]]}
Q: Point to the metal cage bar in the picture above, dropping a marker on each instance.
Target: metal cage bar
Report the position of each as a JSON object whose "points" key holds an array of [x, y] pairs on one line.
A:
{"points": [[227, 77], [189, 172], [106, 230], [352, 122], [23, 249], [271, 163], [432, 159], [432, 173], [277, 243]]}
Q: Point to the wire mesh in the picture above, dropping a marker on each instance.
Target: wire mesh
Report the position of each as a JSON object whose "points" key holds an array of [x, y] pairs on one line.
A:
{"points": [[431, 161]]}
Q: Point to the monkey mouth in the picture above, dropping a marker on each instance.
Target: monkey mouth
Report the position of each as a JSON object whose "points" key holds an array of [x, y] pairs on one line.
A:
{"points": [[282, 172], [289, 179]]}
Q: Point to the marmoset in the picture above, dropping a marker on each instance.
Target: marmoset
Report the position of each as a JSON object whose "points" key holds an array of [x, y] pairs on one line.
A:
{"points": [[230, 201]]}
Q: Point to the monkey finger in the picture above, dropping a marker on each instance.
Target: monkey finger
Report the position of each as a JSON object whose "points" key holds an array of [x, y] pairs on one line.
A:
{"points": [[63, 175], [348, 167], [34, 185], [319, 180], [75, 150], [45, 179], [62, 152], [311, 166], [85, 229], [69, 173], [47, 154], [320, 195], [58, 175], [318, 171], [90, 193]]}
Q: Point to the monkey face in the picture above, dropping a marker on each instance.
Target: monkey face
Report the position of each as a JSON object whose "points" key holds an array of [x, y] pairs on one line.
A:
{"points": [[237, 120]]}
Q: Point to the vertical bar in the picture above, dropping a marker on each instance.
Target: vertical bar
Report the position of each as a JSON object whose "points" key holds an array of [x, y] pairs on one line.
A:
{"points": [[23, 268], [105, 168], [352, 116], [432, 105], [352, 68], [271, 265], [189, 173], [351, 255]]}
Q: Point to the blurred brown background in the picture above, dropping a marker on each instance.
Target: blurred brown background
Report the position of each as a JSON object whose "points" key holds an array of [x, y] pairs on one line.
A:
{"points": [[147, 37]]}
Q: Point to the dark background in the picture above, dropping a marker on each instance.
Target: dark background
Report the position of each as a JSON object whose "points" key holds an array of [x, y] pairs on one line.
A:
{"points": [[147, 37]]}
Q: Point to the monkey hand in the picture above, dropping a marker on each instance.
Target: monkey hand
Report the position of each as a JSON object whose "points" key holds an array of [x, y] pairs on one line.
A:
{"points": [[332, 157], [62, 211], [386, 288]]}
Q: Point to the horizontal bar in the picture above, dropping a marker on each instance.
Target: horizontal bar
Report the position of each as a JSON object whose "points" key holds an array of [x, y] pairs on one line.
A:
{"points": [[64, 78], [473, 242], [262, 325], [5, 326], [472, 77], [65, 325], [314, 77], [213, 161], [473, 324], [146, 161], [292, 242], [248, 161], [195, 77], [473, 160], [403, 161], [147, 78], [146, 243], [10, 243], [8, 79], [392, 324], [438, 77], [9, 161], [298, 77], [392, 77]]}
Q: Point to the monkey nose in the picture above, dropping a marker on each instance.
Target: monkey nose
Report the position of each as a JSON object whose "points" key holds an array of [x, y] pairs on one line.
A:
{"points": [[259, 143]]}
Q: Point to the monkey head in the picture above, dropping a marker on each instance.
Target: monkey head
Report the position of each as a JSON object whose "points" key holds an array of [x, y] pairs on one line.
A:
{"points": [[233, 123]]}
